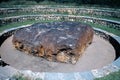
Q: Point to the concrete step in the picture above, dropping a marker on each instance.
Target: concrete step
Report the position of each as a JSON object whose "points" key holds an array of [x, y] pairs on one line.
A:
{"points": [[6, 72]]}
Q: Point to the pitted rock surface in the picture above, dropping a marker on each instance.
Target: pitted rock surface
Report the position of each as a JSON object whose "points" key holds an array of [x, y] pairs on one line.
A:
{"points": [[56, 41]]}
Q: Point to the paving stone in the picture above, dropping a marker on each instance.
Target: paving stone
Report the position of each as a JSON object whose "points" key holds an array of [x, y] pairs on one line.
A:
{"points": [[87, 75], [6, 72], [51, 76]]}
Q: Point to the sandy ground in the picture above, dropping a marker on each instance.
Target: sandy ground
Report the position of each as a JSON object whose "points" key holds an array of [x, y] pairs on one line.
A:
{"points": [[97, 55]]}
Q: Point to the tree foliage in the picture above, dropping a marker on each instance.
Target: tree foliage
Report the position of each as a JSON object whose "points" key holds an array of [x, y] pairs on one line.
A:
{"points": [[91, 2]]}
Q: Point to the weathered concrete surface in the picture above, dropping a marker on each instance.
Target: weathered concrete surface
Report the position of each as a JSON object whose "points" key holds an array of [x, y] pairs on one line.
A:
{"points": [[97, 55], [6, 72]]}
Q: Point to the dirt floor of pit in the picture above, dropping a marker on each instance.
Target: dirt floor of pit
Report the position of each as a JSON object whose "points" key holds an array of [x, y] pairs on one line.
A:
{"points": [[97, 55]]}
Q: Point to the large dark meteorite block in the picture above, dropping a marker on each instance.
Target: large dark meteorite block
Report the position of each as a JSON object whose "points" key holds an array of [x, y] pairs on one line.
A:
{"points": [[57, 41]]}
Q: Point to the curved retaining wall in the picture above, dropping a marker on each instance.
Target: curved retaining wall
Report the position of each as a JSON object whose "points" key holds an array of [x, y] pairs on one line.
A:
{"points": [[105, 22], [89, 75], [47, 10]]}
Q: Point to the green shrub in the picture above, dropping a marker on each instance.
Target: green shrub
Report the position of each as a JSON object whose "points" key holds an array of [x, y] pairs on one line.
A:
{"points": [[111, 76], [22, 77], [18, 77]]}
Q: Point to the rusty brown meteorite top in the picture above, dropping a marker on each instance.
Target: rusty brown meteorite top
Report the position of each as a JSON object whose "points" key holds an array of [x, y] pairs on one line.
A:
{"points": [[56, 41]]}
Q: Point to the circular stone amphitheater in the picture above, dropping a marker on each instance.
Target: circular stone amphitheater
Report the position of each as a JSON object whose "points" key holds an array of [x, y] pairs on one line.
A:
{"points": [[100, 58]]}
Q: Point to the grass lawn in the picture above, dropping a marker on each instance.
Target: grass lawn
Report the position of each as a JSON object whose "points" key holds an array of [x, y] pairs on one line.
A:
{"points": [[16, 24], [111, 76], [65, 13], [104, 17], [106, 28]]}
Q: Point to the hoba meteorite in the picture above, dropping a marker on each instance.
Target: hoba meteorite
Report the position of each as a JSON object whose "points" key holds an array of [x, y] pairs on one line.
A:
{"points": [[56, 41]]}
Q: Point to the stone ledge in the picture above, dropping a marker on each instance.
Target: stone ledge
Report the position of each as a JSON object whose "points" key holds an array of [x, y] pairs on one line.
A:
{"points": [[78, 11], [106, 22]]}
